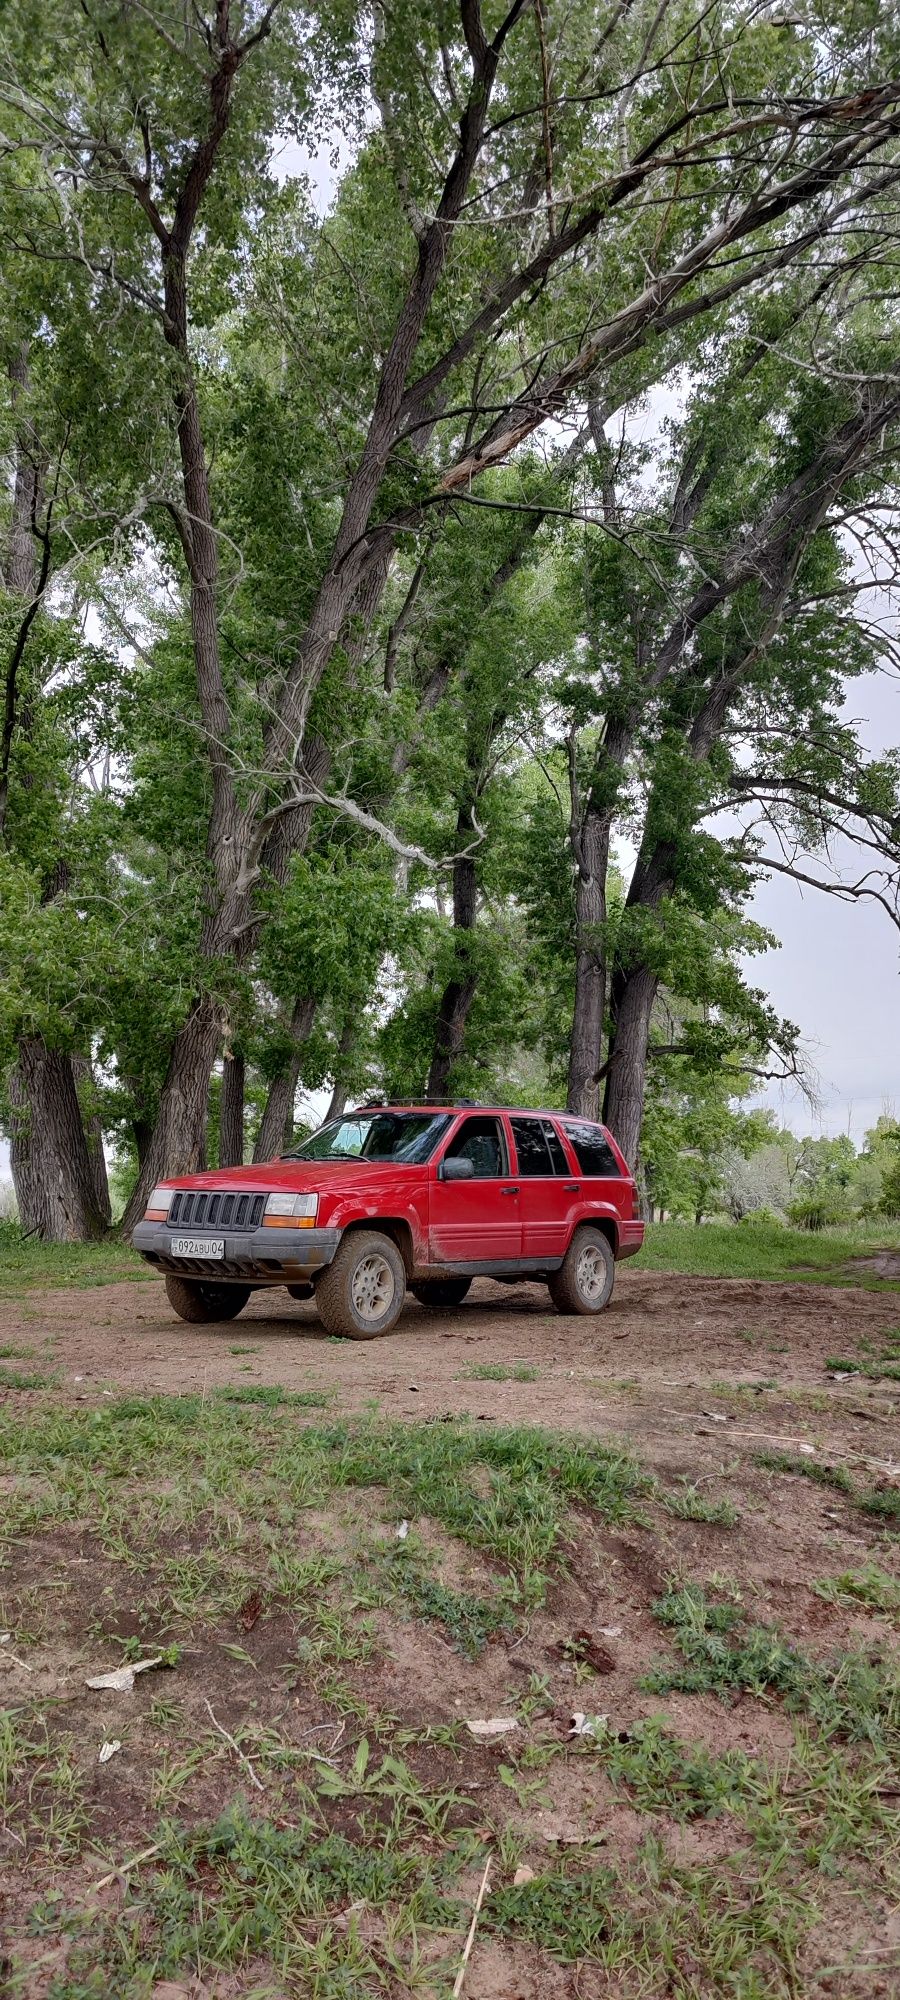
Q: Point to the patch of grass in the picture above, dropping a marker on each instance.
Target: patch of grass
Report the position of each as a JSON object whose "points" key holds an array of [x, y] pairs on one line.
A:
{"points": [[835, 1476], [508, 1492], [790, 1256], [886, 1370], [469, 1621], [869, 1586], [882, 1501], [26, 1378], [271, 1397], [9, 1352], [664, 1775], [683, 1931], [41, 1790], [494, 1371], [25, 1263], [687, 1503], [570, 1915], [851, 1695], [244, 1889]]}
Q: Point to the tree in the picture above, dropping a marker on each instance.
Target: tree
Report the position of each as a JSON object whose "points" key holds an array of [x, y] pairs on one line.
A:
{"points": [[145, 134]]}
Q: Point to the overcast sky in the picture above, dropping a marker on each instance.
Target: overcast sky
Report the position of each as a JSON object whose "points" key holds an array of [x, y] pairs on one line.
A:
{"points": [[836, 970]]}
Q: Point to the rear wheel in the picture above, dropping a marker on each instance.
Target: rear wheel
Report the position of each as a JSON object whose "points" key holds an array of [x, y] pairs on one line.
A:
{"points": [[202, 1301], [360, 1293], [442, 1293], [584, 1281]]}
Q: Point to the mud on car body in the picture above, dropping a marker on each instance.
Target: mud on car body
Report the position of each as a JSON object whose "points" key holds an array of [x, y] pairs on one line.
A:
{"points": [[394, 1198]]}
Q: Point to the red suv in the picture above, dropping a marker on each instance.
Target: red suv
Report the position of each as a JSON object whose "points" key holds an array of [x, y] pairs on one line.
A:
{"points": [[396, 1197]]}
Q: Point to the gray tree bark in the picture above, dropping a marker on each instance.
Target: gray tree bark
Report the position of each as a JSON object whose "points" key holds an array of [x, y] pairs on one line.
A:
{"points": [[231, 1113], [277, 1123]]}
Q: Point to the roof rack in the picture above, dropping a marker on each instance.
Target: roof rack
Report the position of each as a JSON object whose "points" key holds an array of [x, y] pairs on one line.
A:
{"points": [[419, 1104]]}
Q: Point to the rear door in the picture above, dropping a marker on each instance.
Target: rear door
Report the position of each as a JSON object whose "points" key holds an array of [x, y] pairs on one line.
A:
{"points": [[604, 1186], [548, 1190], [476, 1221]]}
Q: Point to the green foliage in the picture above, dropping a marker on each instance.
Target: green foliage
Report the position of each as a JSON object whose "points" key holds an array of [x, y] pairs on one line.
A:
{"points": [[818, 1211], [851, 1696]]}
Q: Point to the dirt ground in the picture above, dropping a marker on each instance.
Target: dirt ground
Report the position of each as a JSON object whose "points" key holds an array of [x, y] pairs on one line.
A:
{"points": [[668, 1356], [695, 1376]]}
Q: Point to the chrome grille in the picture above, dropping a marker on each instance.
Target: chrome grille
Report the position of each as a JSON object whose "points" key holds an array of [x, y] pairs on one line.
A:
{"points": [[205, 1209]]}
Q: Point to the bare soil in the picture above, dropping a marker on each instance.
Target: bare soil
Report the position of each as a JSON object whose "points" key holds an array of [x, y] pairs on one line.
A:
{"points": [[668, 1357]]}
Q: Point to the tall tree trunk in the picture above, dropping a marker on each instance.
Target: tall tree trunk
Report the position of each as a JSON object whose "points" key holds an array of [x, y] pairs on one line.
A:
{"points": [[277, 1123], [591, 846], [61, 1177], [341, 1090], [231, 1113], [58, 1167], [85, 1084], [623, 1109], [180, 1131], [459, 992]]}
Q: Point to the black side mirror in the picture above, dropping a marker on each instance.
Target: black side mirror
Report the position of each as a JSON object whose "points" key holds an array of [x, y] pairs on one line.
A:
{"points": [[457, 1170]]}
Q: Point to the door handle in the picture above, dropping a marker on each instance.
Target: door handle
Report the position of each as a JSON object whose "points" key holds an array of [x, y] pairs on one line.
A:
{"points": [[571, 1187], [509, 1190]]}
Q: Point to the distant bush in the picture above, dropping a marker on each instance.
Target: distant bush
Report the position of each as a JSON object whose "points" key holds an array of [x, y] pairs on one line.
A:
{"points": [[890, 1189], [824, 1210], [761, 1218]]}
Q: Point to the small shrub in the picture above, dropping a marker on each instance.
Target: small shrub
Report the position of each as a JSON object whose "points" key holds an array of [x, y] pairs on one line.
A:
{"points": [[890, 1190], [819, 1211]]}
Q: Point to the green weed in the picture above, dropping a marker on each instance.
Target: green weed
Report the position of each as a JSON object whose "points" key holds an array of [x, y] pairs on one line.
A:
{"points": [[494, 1371], [851, 1695], [469, 1621], [689, 1504], [664, 1775], [836, 1476], [22, 1378], [869, 1586]]}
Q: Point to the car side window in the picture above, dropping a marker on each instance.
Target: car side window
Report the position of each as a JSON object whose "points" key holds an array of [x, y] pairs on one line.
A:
{"points": [[592, 1150], [532, 1149], [481, 1141], [557, 1149]]}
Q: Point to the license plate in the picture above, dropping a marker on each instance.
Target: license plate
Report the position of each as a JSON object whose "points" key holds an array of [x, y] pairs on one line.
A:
{"points": [[197, 1246]]}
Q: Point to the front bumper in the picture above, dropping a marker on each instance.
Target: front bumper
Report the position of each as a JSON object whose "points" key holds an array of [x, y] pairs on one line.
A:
{"points": [[631, 1237], [255, 1256]]}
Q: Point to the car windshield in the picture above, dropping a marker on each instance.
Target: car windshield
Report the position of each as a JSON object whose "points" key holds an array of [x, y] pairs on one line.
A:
{"points": [[408, 1137]]}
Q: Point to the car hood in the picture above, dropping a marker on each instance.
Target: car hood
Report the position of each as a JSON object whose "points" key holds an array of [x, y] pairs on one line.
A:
{"points": [[300, 1176]]}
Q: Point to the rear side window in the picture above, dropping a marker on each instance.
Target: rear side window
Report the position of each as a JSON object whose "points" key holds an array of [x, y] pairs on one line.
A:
{"points": [[531, 1147], [557, 1151], [592, 1150]]}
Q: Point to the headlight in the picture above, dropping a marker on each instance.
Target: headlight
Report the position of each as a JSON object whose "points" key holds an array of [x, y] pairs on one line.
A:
{"points": [[291, 1211], [159, 1204]]}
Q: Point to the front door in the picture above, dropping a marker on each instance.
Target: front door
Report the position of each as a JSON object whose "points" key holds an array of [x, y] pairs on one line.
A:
{"points": [[548, 1190], [476, 1221]]}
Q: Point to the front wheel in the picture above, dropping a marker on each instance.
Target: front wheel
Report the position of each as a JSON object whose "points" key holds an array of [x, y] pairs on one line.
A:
{"points": [[442, 1293], [360, 1293], [584, 1281], [203, 1302]]}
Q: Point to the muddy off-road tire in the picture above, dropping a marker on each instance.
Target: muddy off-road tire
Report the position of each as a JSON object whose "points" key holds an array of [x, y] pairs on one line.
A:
{"points": [[202, 1301], [584, 1281], [441, 1293], [360, 1293]]}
